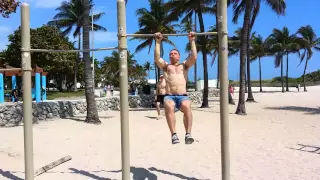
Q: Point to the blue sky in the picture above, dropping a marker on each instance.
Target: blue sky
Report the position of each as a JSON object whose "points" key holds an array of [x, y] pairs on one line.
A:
{"points": [[298, 13]]}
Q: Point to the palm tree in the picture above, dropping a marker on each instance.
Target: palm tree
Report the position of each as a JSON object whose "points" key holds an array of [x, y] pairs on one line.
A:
{"points": [[152, 21], [309, 41], [92, 113], [258, 50], [282, 43], [70, 14], [187, 26], [110, 67], [185, 9], [250, 8], [215, 10], [147, 66]]}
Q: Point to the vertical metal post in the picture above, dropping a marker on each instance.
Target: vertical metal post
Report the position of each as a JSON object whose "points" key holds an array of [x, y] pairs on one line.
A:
{"points": [[38, 87], [1, 88], [44, 86], [224, 107], [27, 101], [124, 105], [92, 41]]}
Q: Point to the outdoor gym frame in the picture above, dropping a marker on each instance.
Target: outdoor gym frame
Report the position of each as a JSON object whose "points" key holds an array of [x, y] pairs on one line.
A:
{"points": [[124, 105]]}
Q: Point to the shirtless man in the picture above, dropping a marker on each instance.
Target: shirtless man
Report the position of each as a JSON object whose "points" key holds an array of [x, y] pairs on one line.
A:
{"points": [[160, 92], [176, 93]]}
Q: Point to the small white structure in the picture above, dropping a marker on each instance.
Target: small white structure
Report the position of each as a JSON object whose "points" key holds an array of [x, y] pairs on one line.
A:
{"points": [[212, 83], [151, 81]]}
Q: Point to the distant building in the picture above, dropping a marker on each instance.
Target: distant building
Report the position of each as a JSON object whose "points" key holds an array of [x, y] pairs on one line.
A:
{"points": [[212, 83], [151, 81]]}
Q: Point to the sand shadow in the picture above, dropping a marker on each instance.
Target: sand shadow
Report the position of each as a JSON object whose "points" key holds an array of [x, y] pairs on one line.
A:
{"points": [[307, 110], [9, 175], [86, 173], [142, 109], [139, 173], [213, 100], [207, 110], [307, 148], [151, 117], [202, 109], [82, 118], [172, 174], [280, 91]]}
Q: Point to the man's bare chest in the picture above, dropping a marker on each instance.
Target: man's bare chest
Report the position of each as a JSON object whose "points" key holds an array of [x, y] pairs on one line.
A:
{"points": [[172, 69]]}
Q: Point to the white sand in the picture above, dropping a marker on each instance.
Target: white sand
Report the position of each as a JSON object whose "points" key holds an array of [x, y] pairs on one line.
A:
{"points": [[260, 143]]}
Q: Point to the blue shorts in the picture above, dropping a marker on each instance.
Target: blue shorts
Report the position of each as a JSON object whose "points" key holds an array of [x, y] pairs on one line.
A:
{"points": [[177, 99]]}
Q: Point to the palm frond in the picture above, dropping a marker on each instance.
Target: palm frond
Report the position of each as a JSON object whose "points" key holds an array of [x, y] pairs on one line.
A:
{"points": [[147, 43], [97, 27], [302, 57], [278, 60], [256, 9], [215, 53], [278, 6], [238, 9]]}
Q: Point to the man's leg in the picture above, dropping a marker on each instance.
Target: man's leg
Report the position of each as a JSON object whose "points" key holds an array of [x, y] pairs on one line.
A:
{"points": [[169, 106], [185, 107], [187, 115], [158, 108]]}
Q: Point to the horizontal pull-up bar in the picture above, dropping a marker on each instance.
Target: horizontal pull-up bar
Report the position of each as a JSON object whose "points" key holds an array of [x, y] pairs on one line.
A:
{"points": [[152, 35], [12, 69], [74, 51]]}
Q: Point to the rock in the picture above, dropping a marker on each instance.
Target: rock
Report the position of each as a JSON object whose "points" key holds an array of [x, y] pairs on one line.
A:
{"points": [[12, 114]]}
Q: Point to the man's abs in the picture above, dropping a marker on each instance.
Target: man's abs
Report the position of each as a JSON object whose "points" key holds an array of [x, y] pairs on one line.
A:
{"points": [[176, 84]]}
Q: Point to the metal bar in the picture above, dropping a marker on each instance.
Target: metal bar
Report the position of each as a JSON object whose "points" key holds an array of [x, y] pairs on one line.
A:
{"points": [[73, 51], [27, 101], [224, 107], [152, 35], [124, 105], [12, 69]]}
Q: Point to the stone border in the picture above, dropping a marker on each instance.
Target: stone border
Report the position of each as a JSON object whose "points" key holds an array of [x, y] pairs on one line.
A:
{"points": [[11, 114]]}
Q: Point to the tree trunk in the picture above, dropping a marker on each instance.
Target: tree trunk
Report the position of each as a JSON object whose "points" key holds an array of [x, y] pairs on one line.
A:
{"points": [[218, 60], [287, 78], [195, 64], [92, 113], [77, 61], [205, 102], [282, 84], [250, 94], [260, 75], [304, 74], [241, 108], [246, 81]]}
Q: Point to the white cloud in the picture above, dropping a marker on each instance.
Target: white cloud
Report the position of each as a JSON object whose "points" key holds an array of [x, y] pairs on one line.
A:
{"points": [[105, 37], [48, 3], [45, 3], [3, 46], [4, 29]]}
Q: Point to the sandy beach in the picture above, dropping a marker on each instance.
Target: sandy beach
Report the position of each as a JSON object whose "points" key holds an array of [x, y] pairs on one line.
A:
{"points": [[279, 139]]}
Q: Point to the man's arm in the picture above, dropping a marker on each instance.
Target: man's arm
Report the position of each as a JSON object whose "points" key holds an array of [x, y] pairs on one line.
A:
{"points": [[159, 61], [193, 56]]}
